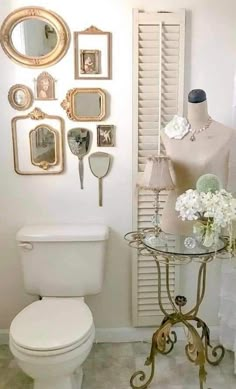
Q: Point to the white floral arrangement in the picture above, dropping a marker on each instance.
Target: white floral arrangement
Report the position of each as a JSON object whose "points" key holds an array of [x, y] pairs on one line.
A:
{"points": [[177, 128], [213, 209]]}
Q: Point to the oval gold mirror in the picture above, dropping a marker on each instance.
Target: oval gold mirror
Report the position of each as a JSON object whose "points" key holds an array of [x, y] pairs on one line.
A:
{"points": [[34, 37], [20, 97]]}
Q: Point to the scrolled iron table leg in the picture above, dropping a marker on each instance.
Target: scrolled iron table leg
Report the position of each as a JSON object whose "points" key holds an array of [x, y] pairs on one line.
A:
{"points": [[160, 339], [164, 338]]}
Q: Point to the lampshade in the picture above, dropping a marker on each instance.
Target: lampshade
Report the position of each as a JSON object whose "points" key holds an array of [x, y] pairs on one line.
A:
{"points": [[156, 174]]}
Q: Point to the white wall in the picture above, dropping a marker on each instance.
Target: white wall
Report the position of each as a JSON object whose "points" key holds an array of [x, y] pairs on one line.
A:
{"points": [[210, 64]]}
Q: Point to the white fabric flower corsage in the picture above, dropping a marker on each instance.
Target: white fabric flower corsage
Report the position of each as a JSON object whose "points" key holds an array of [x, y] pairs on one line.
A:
{"points": [[177, 128]]}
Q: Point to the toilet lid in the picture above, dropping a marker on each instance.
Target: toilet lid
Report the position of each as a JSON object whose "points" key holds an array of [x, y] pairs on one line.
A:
{"points": [[52, 324]]}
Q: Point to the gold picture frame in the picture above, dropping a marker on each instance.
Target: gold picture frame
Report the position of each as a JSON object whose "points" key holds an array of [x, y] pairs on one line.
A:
{"points": [[105, 135], [20, 97], [89, 61], [35, 13], [22, 135], [93, 39], [45, 87], [80, 103]]}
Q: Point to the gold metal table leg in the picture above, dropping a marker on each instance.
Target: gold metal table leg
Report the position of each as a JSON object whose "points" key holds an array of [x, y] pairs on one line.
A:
{"points": [[164, 339]]}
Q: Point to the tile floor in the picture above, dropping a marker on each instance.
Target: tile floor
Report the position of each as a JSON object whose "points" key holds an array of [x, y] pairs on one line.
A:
{"points": [[110, 366]]}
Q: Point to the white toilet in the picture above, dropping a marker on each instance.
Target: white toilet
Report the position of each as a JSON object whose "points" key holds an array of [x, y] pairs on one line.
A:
{"points": [[52, 337]]}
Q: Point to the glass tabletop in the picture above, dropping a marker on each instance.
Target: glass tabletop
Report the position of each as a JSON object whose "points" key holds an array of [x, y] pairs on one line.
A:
{"points": [[176, 244]]}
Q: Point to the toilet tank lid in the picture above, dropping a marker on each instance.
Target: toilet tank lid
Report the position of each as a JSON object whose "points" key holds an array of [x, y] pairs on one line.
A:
{"points": [[63, 233]]}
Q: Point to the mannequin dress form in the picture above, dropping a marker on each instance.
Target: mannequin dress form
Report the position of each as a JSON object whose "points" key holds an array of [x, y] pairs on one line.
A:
{"points": [[211, 151]]}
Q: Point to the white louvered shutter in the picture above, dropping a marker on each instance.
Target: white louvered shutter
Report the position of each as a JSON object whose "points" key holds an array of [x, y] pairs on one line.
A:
{"points": [[158, 74]]}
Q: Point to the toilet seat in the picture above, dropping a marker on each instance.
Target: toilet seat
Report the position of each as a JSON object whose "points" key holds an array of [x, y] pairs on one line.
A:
{"points": [[52, 326]]}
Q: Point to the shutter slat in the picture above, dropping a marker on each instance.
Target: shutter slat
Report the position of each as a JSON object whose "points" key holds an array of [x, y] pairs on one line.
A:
{"points": [[148, 103], [148, 64], [150, 125], [149, 36], [148, 110], [147, 131], [149, 74], [147, 139], [149, 81]]}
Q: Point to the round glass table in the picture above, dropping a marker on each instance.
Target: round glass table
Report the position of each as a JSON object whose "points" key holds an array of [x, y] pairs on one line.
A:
{"points": [[168, 250]]}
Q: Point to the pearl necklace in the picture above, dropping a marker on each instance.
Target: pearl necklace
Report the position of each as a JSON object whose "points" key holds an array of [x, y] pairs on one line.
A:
{"points": [[196, 131]]}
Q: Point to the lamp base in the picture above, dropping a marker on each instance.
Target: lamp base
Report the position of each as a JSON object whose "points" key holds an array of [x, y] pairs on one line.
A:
{"points": [[156, 217]]}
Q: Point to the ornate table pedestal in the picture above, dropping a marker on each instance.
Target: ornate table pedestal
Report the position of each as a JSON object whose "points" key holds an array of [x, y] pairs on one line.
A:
{"points": [[170, 250]]}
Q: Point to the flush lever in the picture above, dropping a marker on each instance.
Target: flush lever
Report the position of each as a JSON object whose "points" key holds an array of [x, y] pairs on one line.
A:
{"points": [[26, 245]]}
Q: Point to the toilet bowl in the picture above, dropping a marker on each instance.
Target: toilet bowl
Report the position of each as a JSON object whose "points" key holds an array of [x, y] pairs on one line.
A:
{"points": [[50, 339]]}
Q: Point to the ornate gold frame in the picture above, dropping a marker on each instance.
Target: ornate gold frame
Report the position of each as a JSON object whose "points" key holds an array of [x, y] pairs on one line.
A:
{"points": [[29, 98], [52, 86], [68, 104], [21, 14], [45, 165], [37, 114], [92, 30]]}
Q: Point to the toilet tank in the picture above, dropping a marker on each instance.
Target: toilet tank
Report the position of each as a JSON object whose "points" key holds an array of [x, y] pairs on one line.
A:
{"points": [[63, 260]]}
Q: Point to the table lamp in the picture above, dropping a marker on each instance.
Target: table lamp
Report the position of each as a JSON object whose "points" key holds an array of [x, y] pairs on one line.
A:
{"points": [[156, 177]]}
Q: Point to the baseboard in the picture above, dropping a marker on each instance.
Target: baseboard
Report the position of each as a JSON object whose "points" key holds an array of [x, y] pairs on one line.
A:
{"points": [[4, 336], [125, 334], [143, 334]]}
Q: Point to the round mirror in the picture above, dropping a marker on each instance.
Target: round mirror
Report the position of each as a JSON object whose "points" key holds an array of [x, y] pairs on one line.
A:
{"points": [[34, 37], [20, 97]]}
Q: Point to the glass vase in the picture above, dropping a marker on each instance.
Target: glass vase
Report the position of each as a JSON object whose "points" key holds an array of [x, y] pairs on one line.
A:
{"points": [[205, 233]]}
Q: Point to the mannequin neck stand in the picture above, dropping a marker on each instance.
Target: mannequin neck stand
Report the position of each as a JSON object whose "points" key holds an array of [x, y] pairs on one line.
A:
{"points": [[198, 114]]}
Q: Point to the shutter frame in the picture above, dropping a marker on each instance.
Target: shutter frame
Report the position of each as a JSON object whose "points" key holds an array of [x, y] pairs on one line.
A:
{"points": [[149, 105]]}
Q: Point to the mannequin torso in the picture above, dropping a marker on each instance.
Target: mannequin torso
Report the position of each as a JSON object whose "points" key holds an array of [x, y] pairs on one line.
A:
{"points": [[210, 152]]}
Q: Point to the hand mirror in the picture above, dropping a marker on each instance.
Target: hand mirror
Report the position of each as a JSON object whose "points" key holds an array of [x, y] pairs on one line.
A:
{"points": [[99, 163], [79, 142]]}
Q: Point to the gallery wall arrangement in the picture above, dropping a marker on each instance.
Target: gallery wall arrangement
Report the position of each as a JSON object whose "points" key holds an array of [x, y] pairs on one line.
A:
{"points": [[37, 38]]}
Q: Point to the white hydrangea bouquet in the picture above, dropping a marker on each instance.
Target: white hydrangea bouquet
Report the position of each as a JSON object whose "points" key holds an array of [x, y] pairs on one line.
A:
{"points": [[213, 208]]}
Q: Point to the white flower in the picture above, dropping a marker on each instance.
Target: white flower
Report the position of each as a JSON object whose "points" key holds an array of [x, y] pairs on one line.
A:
{"points": [[189, 205], [218, 207], [177, 128]]}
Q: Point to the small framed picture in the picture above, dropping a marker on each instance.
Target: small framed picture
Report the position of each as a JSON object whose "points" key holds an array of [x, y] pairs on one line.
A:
{"points": [[90, 61], [106, 135], [45, 87]]}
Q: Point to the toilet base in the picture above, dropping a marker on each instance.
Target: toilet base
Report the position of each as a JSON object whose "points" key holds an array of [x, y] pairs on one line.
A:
{"points": [[54, 371], [71, 382]]}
